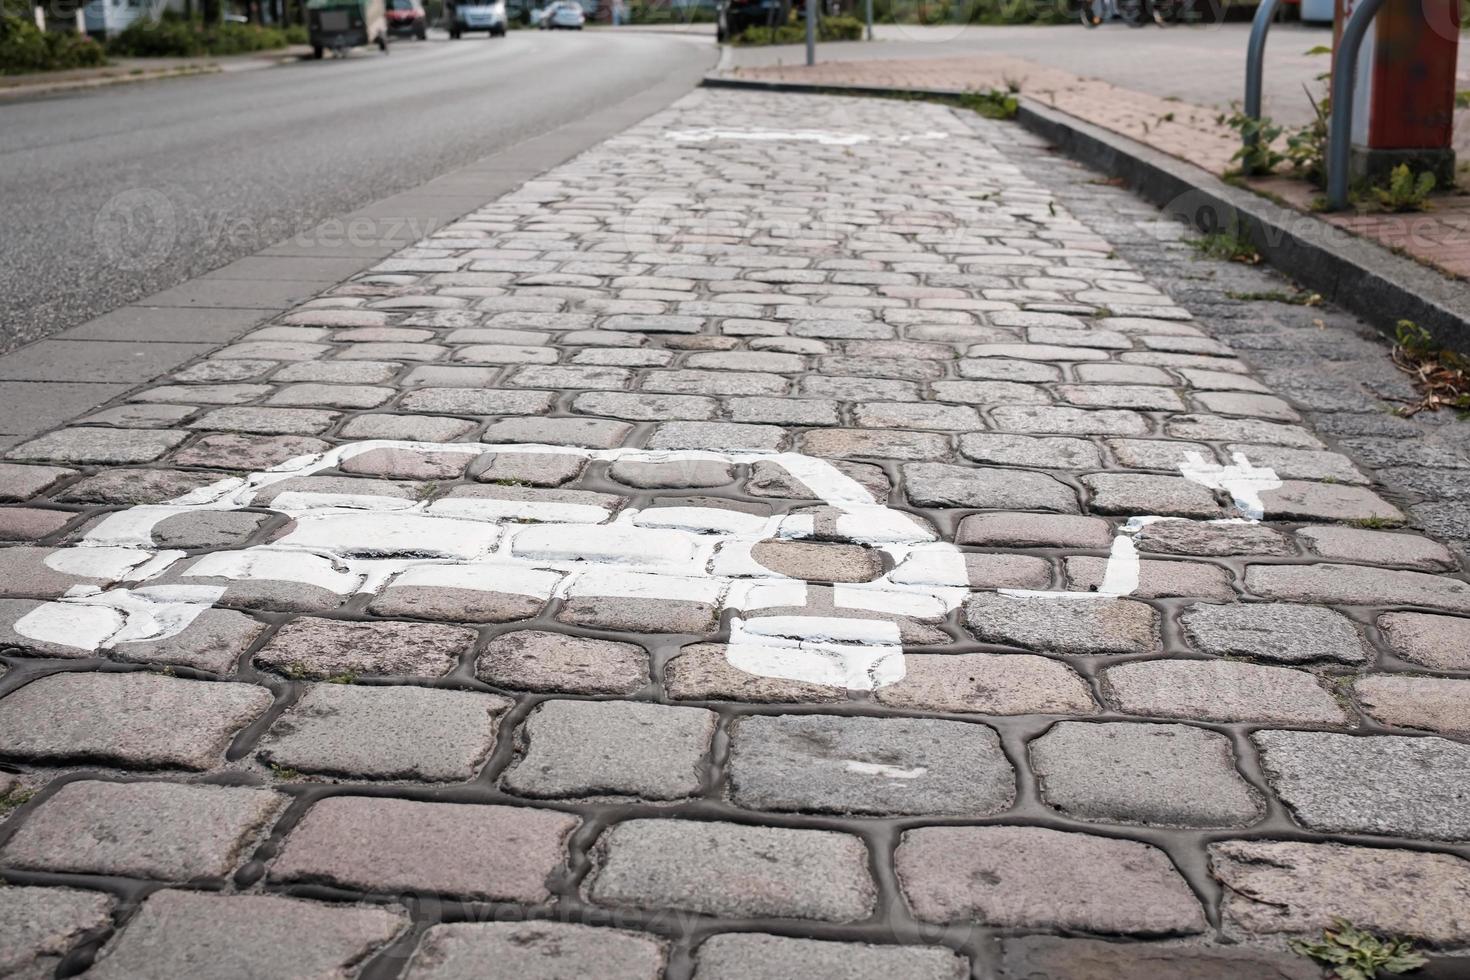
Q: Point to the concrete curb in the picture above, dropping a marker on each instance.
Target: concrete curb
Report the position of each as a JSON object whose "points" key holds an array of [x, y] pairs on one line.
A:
{"points": [[1356, 274], [99, 81]]}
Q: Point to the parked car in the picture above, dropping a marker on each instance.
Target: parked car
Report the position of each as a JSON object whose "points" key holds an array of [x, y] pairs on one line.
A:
{"points": [[732, 17], [476, 15], [567, 15], [407, 18]]}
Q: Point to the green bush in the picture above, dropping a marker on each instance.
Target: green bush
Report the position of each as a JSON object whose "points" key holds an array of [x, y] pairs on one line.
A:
{"points": [[26, 48], [243, 38], [175, 38], [839, 29], [664, 12], [828, 29], [972, 12], [782, 34], [169, 37], [297, 34]]}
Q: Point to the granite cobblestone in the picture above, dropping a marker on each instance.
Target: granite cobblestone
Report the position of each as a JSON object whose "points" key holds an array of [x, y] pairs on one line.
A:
{"points": [[975, 334]]}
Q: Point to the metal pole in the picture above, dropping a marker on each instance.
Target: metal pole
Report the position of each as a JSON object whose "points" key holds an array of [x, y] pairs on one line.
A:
{"points": [[868, 9], [811, 32], [1340, 123], [1255, 62]]}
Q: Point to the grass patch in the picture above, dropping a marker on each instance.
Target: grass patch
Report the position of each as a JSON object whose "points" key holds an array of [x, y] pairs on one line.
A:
{"points": [[1355, 954]]}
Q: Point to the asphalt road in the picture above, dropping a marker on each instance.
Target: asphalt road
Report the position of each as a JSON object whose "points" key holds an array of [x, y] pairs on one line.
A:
{"points": [[1204, 64], [226, 165]]}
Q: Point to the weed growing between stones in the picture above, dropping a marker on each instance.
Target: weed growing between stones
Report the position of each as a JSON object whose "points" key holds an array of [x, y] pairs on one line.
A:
{"points": [[1300, 297], [1257, 154], [1373, 523], [993, 104], [15, 799], [1404, 191], [1354, 954], [1442, 377], [1228, 244]]}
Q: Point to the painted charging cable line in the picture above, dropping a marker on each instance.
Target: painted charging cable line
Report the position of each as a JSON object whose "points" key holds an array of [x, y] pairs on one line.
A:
{"points": [[1243, 481]]}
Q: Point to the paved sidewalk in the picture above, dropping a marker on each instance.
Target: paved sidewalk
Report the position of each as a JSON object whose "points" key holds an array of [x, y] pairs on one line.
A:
{"points": [[1189, 129], [747, 550]]}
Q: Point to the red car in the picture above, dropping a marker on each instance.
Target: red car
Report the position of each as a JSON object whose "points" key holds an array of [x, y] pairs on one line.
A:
{"points": [[406, 18]]}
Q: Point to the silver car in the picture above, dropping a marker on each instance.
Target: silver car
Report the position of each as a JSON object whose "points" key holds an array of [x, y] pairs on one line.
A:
{"points": [[566, 16], [477, 15]]}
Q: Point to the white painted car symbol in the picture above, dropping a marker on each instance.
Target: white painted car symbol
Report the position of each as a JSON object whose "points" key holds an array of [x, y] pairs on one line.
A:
{"points": [[349, 543]]}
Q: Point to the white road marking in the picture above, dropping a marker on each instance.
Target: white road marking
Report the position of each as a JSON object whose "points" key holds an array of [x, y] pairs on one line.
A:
{"points": [[349, 543]]}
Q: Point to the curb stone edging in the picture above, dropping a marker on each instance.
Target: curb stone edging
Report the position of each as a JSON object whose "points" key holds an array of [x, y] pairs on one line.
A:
{"points": [[102, 81], [1354, 273]]}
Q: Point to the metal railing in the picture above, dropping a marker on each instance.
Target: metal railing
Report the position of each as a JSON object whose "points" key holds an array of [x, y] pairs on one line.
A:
{"points": [[1344, 78], [1340, 122], [1255, 65]]}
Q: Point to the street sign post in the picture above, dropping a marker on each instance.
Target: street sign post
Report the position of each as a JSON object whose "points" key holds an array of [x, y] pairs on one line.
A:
{"points": [[811, 32]]}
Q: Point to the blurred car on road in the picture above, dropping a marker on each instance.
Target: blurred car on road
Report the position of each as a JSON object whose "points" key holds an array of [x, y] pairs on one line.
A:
{"points": [[476, 15], [337, 25], [406, 18], [566, 15]]}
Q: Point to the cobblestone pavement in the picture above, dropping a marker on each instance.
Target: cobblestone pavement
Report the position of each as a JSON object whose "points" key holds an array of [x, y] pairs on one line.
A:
{"points": [[1196, 133], [852, 549]]}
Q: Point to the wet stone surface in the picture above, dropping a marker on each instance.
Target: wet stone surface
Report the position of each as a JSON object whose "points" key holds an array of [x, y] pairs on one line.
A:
{"points": [[715, 558]]}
